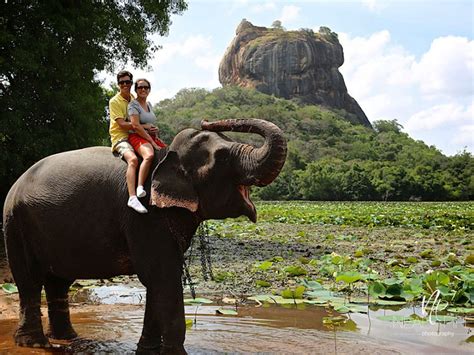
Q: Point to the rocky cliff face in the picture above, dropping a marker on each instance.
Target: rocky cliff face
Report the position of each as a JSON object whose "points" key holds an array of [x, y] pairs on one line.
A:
{"points": [[299, 65]]}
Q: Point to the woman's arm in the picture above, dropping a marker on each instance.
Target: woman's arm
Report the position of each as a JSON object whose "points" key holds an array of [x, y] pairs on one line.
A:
{"points": [[138, 128]]}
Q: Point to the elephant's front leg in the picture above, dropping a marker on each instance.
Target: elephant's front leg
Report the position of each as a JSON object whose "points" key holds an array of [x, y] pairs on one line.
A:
{"points": [[164, 324]]}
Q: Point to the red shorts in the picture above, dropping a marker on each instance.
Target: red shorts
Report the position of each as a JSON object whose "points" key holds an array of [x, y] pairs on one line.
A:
{"points": [[136, 141]]}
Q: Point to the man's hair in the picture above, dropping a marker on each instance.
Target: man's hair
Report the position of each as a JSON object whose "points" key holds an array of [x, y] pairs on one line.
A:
{"points": [[142, 79], [123, 73]]}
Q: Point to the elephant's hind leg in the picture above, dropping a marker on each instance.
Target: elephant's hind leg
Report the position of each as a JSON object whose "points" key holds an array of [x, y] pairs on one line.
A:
{"points": [[30, 330], [29, 282], [58, 308]]}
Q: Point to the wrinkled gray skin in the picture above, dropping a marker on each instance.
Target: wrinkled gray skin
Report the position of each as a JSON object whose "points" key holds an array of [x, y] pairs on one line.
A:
{"points": [[66, 218]]}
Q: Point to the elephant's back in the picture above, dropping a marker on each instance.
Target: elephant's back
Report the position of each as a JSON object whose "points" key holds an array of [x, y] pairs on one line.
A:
{"points": [[59, 177]]}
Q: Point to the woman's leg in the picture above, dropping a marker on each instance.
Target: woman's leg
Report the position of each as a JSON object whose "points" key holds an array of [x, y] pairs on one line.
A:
{"points": [[146, 152]]}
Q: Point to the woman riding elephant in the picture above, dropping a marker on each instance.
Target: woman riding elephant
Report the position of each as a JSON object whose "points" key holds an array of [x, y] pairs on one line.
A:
{"points": [[64, 219], [144, 138]]}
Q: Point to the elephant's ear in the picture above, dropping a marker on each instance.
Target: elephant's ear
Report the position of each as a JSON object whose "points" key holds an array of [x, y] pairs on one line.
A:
{"points": [[170, 187]]}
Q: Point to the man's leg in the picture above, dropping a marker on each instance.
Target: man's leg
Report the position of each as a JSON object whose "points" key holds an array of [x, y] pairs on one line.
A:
{"points": [[132, 163]]}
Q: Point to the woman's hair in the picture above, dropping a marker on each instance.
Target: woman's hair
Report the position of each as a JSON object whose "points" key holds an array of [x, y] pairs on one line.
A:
{"points": [[138, 80], [123, 73]]}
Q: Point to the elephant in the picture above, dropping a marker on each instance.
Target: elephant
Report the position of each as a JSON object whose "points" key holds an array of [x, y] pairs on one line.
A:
{"points": [[66, 218]]}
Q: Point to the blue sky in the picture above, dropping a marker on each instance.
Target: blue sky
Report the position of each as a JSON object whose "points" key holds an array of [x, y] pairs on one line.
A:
{"points": [[407, 60]]}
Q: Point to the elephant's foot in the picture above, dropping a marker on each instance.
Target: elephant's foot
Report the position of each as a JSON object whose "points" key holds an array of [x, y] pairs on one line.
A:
{"points": [[173, 349], [143, 349], [31, 339], [67, 333]]}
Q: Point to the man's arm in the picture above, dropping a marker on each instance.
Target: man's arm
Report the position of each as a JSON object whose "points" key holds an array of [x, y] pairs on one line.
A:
{"points": [[126, 126]]}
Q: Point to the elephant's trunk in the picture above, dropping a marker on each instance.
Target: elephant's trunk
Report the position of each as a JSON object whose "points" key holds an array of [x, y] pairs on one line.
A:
{"points": [[259, 166]]}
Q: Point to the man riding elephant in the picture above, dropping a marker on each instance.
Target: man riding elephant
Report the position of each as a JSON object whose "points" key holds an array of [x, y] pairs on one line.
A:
{"points": [[64, 219]]}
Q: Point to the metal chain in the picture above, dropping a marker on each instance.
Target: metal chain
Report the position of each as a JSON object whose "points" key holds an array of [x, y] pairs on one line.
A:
{"points": [[202, 234]]}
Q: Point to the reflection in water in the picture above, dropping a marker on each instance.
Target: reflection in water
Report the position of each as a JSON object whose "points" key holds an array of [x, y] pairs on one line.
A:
{"points": [[113, 325], [254, 330], [271, 329]]}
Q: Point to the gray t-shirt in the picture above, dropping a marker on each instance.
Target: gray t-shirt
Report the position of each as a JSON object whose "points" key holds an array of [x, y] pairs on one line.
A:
{"points": [[134, 108]]}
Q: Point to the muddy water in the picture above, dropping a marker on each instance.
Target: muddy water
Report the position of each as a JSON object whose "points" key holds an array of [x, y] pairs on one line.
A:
{"points": [[269, 330], [113, 325]]}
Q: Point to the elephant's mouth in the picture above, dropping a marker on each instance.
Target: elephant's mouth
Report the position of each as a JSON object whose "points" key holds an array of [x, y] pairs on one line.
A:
{"points": [[250, 210]]}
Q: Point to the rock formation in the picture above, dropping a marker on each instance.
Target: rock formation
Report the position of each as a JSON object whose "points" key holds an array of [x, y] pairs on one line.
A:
{"points": [[300, 65]]}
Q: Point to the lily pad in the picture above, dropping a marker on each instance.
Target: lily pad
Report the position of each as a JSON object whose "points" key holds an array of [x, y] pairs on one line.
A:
{"points": [[9, 288], [231, 312], [261, 298], [296, 293], [265, 265], [324, 294], [334, 320], [461, 310], [442, 319], [197, 300], [388, 302], [395, 318], [295, 270], [263, 283], [349, 277], [312, 285], [376, 289], [189, 323], [288, 301], [317, 302], [351, 308]]}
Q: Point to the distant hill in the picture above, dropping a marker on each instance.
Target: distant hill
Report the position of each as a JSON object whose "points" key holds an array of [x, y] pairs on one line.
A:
{"points": [[300, 65], [330, 158]]}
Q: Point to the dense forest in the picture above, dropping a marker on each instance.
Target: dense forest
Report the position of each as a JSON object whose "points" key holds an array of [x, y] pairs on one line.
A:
{"points": [[328, 157], [51, 51]]}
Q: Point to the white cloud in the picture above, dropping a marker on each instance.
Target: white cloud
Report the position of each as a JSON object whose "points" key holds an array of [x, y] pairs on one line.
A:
{"points": [[465, 137], [289, 14], [430, 96], [447, 67], [439, 115], [189, 47]]}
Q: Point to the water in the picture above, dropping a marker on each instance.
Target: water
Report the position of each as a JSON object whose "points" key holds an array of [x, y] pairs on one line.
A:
{"points": [[113, 325]]}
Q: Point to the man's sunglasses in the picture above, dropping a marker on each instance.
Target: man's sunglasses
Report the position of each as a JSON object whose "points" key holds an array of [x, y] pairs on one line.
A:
{"points": [[125, 82], [143, 87]]}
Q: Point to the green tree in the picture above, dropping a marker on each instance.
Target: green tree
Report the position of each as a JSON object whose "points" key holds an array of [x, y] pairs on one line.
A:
{"points": [[277, 25], [387, 126], [356, 184], [50, 98], [321, 180]]}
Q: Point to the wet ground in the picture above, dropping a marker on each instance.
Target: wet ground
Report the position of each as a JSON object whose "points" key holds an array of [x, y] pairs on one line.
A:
{"points": [[109, 319]]}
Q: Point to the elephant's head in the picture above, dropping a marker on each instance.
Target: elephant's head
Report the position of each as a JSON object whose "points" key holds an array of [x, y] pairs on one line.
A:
{"points": [[208, 173]]}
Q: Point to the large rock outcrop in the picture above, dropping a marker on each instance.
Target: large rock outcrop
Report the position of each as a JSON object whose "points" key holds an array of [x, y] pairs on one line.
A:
{"points": [[299, 65]]}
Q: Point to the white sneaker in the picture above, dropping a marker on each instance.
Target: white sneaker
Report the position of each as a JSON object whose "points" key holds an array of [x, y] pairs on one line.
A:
{"points": [[141, 191], [134, 203]]}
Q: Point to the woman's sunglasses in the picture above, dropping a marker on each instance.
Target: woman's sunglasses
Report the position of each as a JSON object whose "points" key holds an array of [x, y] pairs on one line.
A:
{"points": [[143, 88]]}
